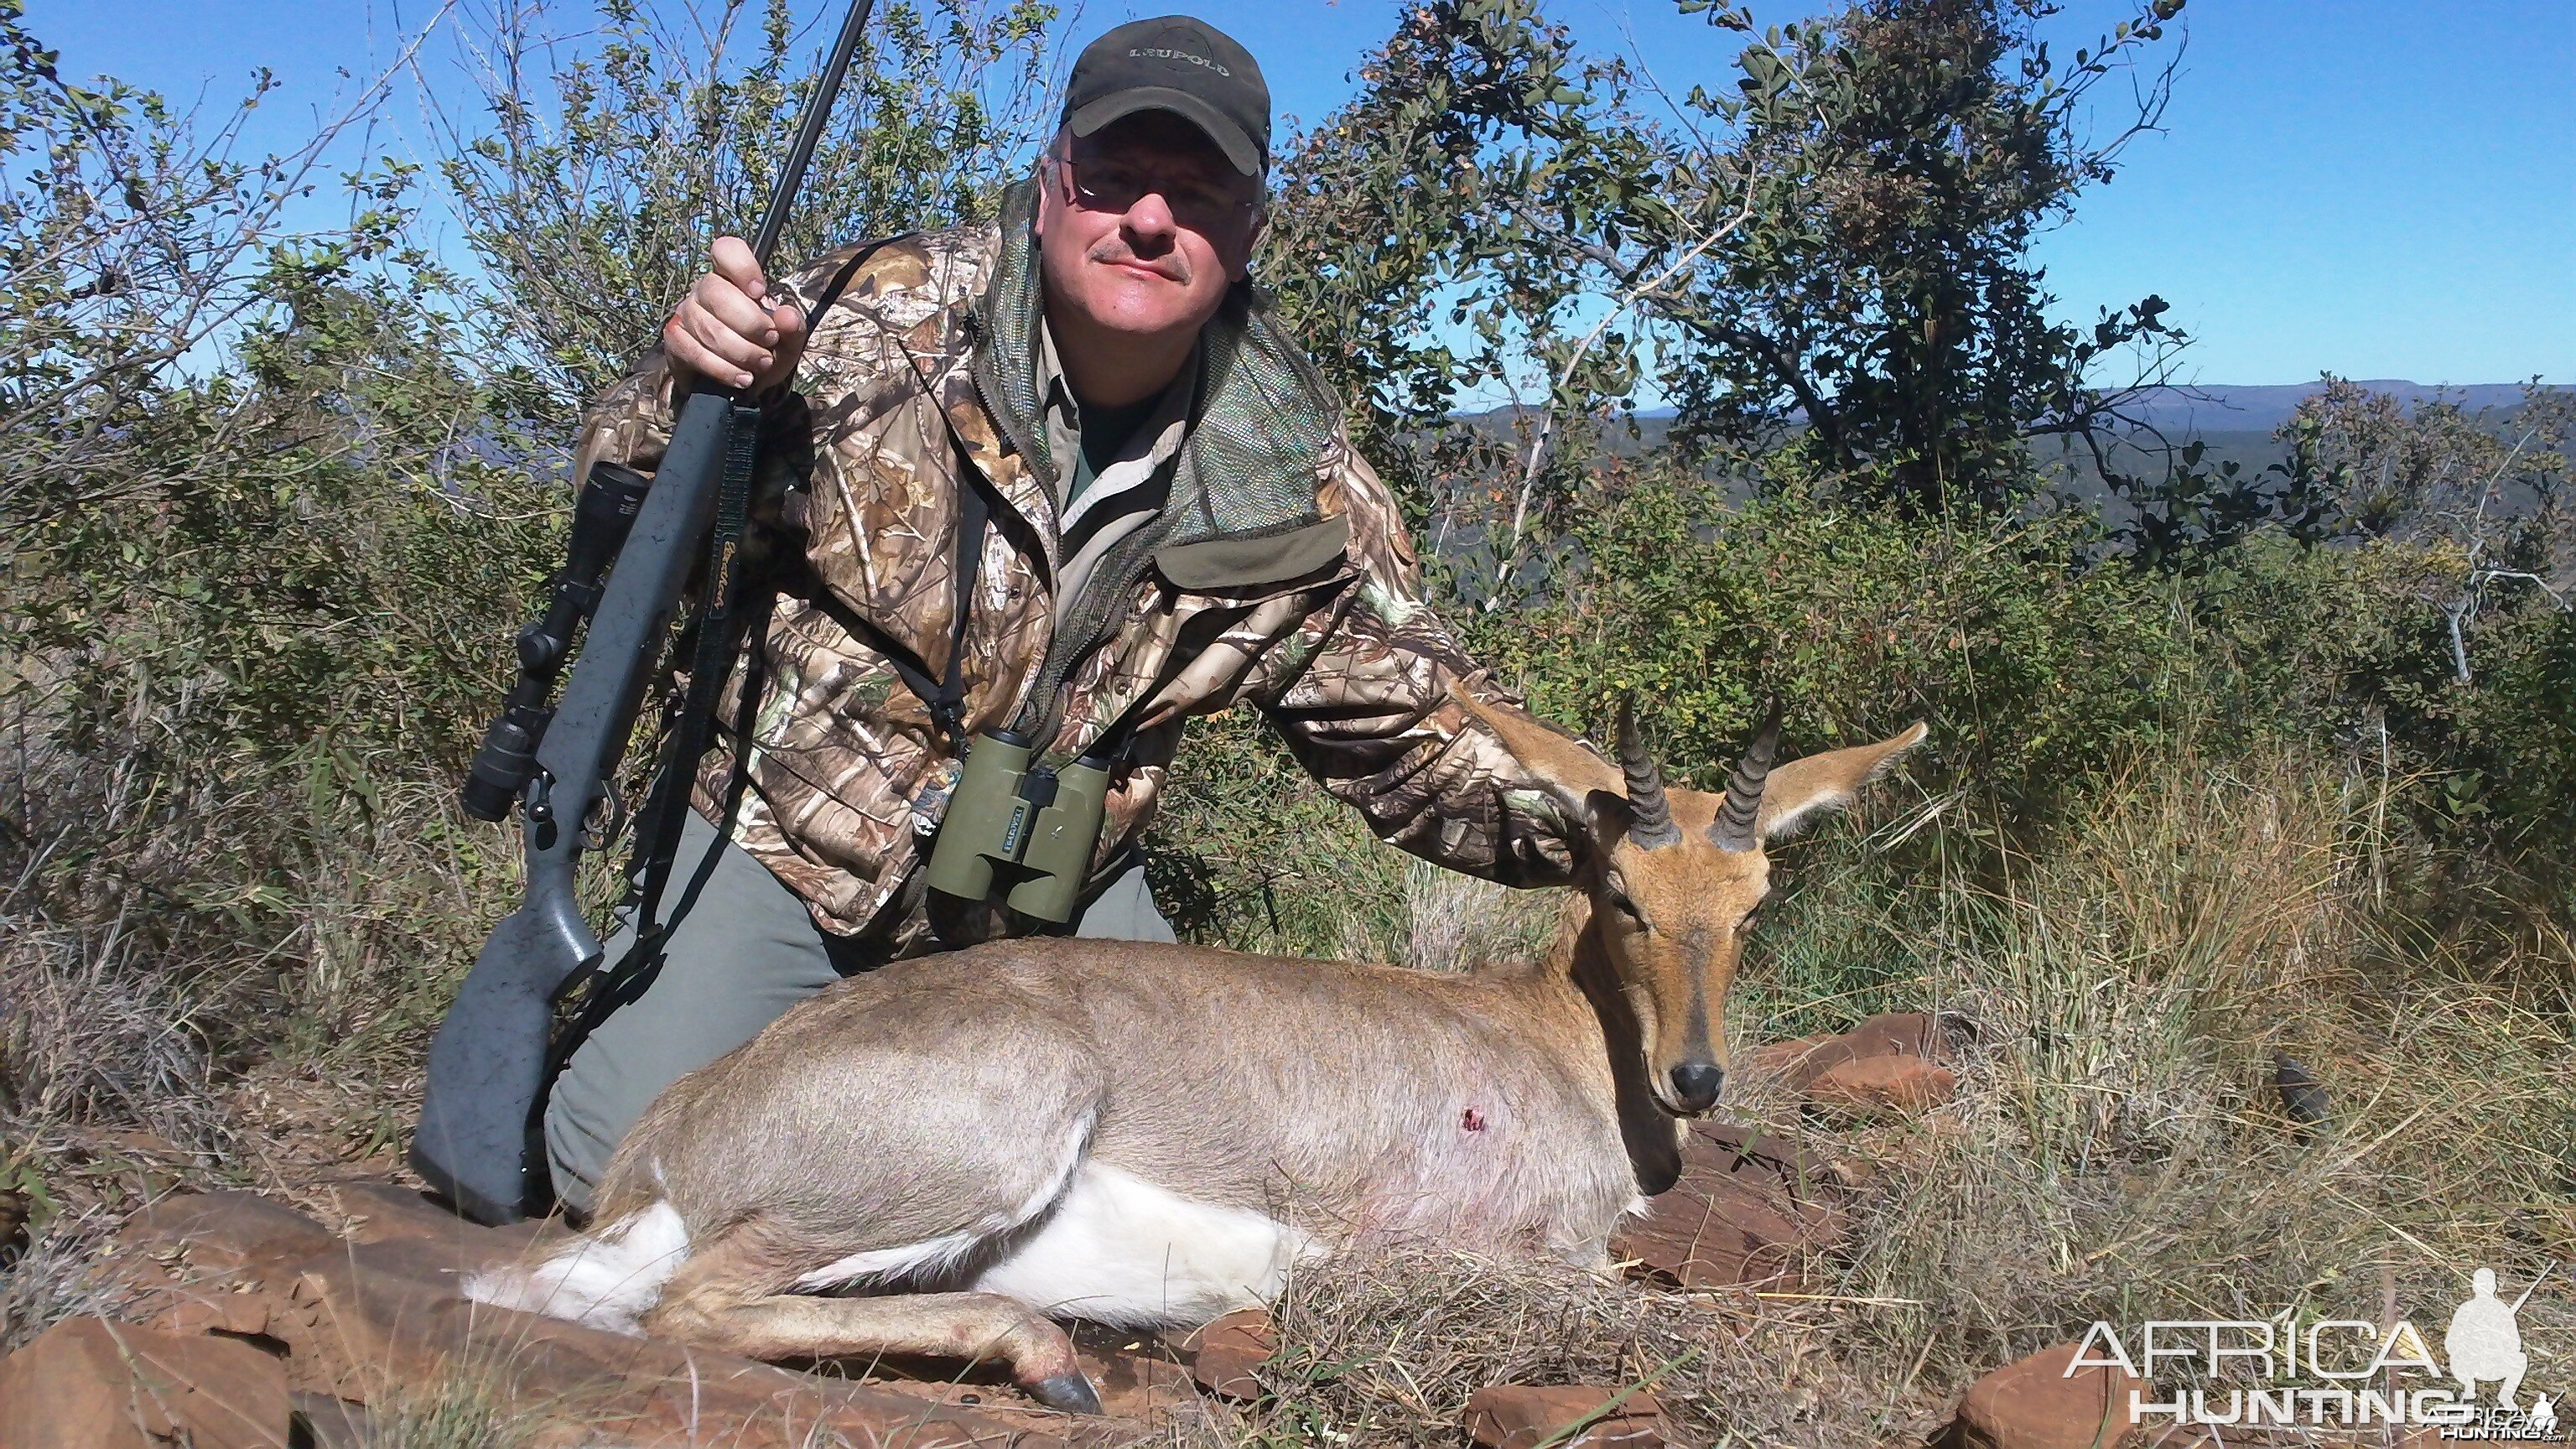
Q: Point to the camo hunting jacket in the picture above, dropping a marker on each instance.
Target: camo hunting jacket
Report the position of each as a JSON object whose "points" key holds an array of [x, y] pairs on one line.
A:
{"points": [[1278, 572]]}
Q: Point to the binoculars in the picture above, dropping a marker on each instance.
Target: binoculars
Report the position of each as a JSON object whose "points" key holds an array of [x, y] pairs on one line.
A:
{"points": [[1030, 829]]}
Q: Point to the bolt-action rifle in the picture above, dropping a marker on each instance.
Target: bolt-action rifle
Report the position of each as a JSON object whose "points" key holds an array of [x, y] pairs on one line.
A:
{"points": [[634, 544]]}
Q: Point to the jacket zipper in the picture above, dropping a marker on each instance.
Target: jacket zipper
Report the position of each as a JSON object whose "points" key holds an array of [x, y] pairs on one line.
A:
{"points": [[1040, 712], [1048, 698]]}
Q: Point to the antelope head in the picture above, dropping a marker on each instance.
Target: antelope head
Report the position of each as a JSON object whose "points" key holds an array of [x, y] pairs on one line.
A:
{"points": [[1676, 877]]}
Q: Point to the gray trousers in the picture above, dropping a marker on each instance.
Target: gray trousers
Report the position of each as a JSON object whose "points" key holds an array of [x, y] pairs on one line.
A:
{"points": [[741, 950]]}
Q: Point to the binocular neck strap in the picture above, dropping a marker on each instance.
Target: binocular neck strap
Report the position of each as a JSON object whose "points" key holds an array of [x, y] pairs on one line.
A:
{"points": [[948, 700]]}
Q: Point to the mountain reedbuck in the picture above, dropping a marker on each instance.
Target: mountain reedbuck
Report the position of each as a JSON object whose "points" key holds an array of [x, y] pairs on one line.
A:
{"points": [[1152, 1135]]}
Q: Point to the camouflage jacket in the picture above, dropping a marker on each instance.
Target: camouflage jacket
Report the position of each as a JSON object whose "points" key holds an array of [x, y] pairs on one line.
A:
{"points": [[1277, 572]]}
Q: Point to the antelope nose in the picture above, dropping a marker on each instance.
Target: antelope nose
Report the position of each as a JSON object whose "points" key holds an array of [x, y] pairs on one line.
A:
{"points": [[1696, 1084]]}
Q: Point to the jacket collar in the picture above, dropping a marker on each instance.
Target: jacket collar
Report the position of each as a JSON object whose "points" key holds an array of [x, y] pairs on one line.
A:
{"points": [[1245, 506]]}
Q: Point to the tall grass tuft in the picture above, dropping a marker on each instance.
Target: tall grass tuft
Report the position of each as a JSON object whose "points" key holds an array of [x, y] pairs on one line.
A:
{"points": [[462, 1409], [2119, 1149]]}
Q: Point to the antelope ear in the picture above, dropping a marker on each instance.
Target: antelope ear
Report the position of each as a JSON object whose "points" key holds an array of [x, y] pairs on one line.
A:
{"points": [[1803, 789], [1561, 765], [1609, 815]]}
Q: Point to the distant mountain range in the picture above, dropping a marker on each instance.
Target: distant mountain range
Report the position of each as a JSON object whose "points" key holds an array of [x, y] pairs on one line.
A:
{"points": [[2221, 408], [2239, 414], [2233, 408], [2206, 408]]}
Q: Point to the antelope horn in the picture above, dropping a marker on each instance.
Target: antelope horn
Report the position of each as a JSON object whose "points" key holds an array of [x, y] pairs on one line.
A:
{"points": [[1737, 818], [1650, 814]]}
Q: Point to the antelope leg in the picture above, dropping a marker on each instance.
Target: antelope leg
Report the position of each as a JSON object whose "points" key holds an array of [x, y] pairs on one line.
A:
{"points": [[726, 1299]]}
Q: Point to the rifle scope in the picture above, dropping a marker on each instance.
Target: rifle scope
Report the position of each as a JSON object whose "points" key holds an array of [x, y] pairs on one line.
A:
{"points": [[610, 497]]}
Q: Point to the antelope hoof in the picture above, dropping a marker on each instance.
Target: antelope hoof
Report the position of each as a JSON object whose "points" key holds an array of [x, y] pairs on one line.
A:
{"points": [[1070, 1392]]}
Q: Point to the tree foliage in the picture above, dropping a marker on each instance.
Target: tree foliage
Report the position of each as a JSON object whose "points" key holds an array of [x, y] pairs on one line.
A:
{"points": [[603, 168], [1887, 299], [239, 451], [1826, 269]]}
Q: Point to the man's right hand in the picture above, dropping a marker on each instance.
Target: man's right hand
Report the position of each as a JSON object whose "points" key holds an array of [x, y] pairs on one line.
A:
{"points": [[722, 330]]}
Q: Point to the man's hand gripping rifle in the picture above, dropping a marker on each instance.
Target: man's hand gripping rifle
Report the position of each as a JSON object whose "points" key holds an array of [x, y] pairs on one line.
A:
{"points": [[478, 1140]]}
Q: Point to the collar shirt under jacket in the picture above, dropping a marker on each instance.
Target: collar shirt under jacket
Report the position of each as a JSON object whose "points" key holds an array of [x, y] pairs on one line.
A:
{"points": [[1276, 570]]}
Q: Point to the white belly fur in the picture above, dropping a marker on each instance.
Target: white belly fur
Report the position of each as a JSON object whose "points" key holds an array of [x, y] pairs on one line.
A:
{"points": [[1120, 1250]]}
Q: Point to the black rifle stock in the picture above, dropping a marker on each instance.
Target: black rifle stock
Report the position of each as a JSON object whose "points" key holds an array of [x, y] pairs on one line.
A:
{"points": [[487, 1064], [477, 1143]]}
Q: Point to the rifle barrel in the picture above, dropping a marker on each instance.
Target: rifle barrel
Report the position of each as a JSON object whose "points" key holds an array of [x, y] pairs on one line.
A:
{"points": [[817, 114]]}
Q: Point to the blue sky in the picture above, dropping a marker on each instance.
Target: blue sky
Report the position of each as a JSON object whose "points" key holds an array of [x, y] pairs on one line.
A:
{"points": [[2379, 188]]}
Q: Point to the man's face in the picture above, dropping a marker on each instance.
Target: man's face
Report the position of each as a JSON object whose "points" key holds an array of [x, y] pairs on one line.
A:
{"points": [[1144, 225]]}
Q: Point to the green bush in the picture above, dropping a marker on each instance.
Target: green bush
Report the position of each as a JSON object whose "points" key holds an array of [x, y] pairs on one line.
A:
{"points": [[2043, 668], [2031, 667]]}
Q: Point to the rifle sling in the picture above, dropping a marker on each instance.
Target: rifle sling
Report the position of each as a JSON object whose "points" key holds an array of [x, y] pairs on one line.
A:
{"points": [[657, 842], [716, 645], [718, 642]]}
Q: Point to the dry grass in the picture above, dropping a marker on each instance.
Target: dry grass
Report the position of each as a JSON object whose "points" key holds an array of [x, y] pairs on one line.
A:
{"points": [[230, 989], [2118, 1150], [1386, 1350], [56, 1277], [1444, 921], [456, 1414]]}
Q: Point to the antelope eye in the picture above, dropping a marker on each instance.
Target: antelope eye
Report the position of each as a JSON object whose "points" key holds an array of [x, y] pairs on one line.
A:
{"points": [[1627, 907]]}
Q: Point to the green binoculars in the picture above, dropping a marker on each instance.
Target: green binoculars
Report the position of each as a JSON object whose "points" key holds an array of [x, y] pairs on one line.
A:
{"points": [[1034, 830]]}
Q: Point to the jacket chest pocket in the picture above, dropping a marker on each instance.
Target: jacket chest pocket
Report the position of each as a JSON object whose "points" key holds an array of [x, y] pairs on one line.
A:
{"points": [[1187, 654], [882, 529]]}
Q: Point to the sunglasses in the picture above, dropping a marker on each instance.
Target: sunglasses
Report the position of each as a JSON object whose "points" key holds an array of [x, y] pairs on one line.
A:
{"points": [[1114, 184]]}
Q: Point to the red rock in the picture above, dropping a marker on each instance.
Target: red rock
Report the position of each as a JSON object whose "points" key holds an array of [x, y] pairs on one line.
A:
{"points": [[1711, 1235], [1883, 1084], [1748, 1210], [1138, 1386], [241, 1309], [2037, 1404], [380, 1212], [98, 1385], [1225, 1354], [1519, 1416], [331, 1423], [214, 1261], [222, 1230], [1782, 1058], [1737, 1151], [1912, 1033], [1902, 1033]]}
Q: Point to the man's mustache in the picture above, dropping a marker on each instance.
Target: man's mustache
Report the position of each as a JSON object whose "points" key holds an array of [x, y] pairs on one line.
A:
{"points": [[1111, 252]]}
